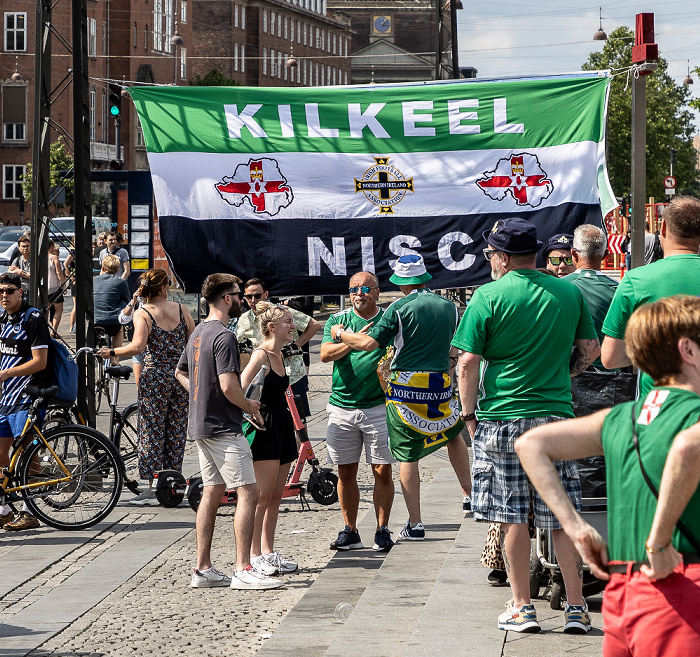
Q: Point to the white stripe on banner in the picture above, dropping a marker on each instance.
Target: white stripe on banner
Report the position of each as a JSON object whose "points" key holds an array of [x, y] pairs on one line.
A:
{"points": [[340, 186]]}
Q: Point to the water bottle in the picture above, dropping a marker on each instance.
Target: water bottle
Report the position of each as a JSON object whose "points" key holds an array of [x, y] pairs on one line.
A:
{"points": [[343, 611], [255, 388]]}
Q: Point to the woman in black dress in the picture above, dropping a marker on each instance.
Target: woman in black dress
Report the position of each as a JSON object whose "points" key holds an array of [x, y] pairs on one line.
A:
{"points": [[275, 448]]}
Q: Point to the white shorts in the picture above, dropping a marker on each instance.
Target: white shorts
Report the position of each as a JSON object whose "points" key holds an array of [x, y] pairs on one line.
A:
{"points": [[226, 460], [351, 428]]}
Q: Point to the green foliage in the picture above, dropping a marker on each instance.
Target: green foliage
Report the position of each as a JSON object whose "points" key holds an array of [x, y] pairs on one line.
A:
{"points": [[60, 159], [214, 79], [669, 122]]}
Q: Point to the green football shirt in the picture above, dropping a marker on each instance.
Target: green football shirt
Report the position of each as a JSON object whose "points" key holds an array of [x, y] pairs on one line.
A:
{"points": [[679, 274], [524, 326], [598, 290], [662, 414], [421, 324], [355, 380]]}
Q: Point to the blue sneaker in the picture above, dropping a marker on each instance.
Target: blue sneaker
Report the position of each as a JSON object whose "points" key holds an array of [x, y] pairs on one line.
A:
{"points": [[576, 619], [347, 540], [519, 620], [382, 540], [416, 533]]}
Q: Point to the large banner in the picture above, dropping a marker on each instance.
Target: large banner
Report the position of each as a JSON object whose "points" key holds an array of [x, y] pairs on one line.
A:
{"points": [[302, 187]]}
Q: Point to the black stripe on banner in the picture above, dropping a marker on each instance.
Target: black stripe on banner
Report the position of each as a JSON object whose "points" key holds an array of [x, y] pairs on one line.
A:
{"points": [[305, 256]]}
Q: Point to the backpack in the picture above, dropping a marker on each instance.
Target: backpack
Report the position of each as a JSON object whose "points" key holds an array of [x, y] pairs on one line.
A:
{"points": [[65, 369]]}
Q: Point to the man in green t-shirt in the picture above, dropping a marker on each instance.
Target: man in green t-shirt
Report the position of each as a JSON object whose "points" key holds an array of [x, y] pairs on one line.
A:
{"points": [[651, 448], [677, 273], [523, 327], [357, 416], [422, 412]]}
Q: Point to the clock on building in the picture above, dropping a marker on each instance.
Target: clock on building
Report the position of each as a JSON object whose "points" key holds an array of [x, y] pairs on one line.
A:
{"points": [[381, 24]]}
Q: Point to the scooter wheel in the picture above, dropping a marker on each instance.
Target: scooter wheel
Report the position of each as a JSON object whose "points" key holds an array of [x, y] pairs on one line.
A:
{"points": [[555, 596], [194, 492], [170, 488], [324, 488]]}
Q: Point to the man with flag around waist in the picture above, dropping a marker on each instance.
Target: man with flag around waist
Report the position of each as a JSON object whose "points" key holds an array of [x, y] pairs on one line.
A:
{"points": [[422, 413]]}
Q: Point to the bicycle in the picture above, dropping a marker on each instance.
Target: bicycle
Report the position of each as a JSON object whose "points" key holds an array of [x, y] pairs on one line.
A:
{"points": [[123, 425], [70, 477]]}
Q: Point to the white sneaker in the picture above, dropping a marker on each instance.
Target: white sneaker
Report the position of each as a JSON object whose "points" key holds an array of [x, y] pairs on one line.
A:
{"points": [[263, 566], [202, 579], [147, 498], [280, 563], [252, 579]]}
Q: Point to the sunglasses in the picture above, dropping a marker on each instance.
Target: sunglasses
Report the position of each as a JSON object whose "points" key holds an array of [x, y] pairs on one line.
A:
{"points": [[257, 295], [238, 294], [556, 260], [8, 290], [488, 253], [365, 289]]}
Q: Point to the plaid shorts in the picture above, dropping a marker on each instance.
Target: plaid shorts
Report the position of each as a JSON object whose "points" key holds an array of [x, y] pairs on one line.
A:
{"points": [[500, 489]]}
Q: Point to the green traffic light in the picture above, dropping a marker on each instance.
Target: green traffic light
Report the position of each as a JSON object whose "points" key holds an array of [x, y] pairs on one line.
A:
{"points": [[114, 110]]}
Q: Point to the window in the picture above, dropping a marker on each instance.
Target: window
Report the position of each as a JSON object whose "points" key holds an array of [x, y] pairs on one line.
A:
{"points": [[272, 23], [305, 30], [328, 75], [273, 61], [279, 25], [346, 46], [318, 38], [304, 78], [334, 44], [183, 11], [93, 114], [280, 64], [235, 56], [291, 72], [14, 112], [298, 32], [286, 26], [169, 18], [264, 61], [235, 15], [140, 143], [135, 34], [145, 38], [317, 83], [15, 31], [183, 63], [265, 21], [104, 116], [286, 70], [292, 30], [158, 25], [92, 37], [12, 175], [346, 77], [334, 79], [104, 38], [243, 18], [242, 58]]}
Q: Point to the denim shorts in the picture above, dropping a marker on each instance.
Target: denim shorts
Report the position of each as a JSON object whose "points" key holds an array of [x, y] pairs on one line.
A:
{"points": [[500, 487], [12, 424]]}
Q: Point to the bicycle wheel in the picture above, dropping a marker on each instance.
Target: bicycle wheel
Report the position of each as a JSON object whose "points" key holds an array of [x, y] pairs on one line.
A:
{"points": [[128, 440], [95, 477]]}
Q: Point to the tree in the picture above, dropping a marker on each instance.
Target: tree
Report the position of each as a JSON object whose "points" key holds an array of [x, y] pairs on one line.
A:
{"points": [[214, 79], [60, 162], [669, 122]]}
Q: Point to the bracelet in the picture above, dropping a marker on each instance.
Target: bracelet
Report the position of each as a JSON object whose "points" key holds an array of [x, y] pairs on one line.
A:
{"points": [[337, 337], [660, 550], [468, 416], [112, 353]]}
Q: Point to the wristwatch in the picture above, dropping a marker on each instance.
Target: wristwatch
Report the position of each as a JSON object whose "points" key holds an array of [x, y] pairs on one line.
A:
{"points": [[112, 353], [337, 337]]}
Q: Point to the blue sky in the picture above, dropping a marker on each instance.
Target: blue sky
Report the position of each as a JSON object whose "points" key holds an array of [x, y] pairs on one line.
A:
{"points": [[507, 37]]}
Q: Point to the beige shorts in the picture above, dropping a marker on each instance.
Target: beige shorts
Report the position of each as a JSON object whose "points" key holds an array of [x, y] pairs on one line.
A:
{"points": [[351, 429], [226, 460]]}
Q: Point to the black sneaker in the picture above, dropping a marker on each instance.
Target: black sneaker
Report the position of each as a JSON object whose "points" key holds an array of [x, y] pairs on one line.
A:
{"points": [[347, 540], [467, 504], [497, 578], [382, 540]]}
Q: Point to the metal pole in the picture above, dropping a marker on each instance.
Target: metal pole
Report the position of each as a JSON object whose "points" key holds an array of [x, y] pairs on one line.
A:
{"points": [[41, 178], [639, 176], [438, 37], [453, 28], [85, 331]]}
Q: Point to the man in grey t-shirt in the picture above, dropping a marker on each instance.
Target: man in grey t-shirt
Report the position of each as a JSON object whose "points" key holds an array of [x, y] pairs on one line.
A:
{"points": [[209, 370]]}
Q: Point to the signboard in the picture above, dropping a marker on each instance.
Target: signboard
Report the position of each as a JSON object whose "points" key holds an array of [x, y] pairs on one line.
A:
{"points": [[669, 182], [304, 190]]}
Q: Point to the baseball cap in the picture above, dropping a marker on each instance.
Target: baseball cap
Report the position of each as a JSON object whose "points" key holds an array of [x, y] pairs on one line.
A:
{"points": [[11, 279], [562, 241]]}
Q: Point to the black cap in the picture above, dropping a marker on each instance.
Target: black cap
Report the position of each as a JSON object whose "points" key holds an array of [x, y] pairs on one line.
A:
{"points": [[559, 241], [11, 279], [513, 235]]}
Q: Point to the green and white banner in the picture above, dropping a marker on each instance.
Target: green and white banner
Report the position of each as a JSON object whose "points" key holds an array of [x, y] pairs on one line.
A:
{"points": [[303, 187]]}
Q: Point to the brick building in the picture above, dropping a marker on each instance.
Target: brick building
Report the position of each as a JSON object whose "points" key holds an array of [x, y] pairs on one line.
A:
{"points": [[128, 40], [251, 42]]}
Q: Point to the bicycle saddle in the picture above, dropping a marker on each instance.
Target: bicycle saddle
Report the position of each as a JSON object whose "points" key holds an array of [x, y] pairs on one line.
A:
{"points": [[119, 371], [36, 391]]}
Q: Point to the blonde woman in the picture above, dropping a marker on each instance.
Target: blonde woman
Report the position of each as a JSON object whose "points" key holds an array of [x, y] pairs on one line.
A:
{"points": [[161, 327], [275, 448]]}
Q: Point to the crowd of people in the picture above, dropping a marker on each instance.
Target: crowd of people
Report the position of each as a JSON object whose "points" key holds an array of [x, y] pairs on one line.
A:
{"points": [[415, 377]]}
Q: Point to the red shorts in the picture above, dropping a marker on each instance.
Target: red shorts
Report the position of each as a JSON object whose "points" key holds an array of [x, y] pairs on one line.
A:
{"points": [[652, 619]]}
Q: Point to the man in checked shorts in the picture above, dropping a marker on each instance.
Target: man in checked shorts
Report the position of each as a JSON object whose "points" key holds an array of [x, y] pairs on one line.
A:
{"points": [[523, 326]]}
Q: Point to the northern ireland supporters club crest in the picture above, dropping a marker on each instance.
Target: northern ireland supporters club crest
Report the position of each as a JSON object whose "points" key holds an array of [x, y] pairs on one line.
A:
{"points": [[519, 176], [259, 183]]}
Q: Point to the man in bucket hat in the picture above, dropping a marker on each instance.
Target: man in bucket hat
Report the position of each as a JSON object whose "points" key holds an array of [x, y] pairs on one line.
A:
{"points": [[523, 326], [422, 414]]}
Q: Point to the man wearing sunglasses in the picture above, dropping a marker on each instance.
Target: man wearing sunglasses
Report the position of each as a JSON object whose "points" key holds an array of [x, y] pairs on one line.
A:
{"points": [[357, 415], [557, 255], [23, 356], [305, 328], [523, 327]]}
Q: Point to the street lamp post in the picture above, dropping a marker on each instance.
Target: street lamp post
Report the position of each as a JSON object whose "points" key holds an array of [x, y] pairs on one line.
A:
{"points": [[175, 41]]}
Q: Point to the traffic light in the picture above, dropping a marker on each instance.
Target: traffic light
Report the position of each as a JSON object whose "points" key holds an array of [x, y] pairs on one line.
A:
{"points": [[623, 206], [674, 155], [116, 165], [115, 100]]}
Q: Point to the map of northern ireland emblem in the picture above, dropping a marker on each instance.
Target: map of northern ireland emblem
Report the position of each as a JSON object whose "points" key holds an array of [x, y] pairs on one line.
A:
{"points": [[519, 176], [260, 183]]}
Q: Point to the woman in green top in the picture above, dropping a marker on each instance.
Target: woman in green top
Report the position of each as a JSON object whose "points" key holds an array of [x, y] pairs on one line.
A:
{"points": [[653, 598]]}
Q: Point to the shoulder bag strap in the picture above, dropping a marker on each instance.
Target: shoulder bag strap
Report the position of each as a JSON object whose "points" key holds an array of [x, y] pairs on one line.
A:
{"points": [[681, 526]]}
